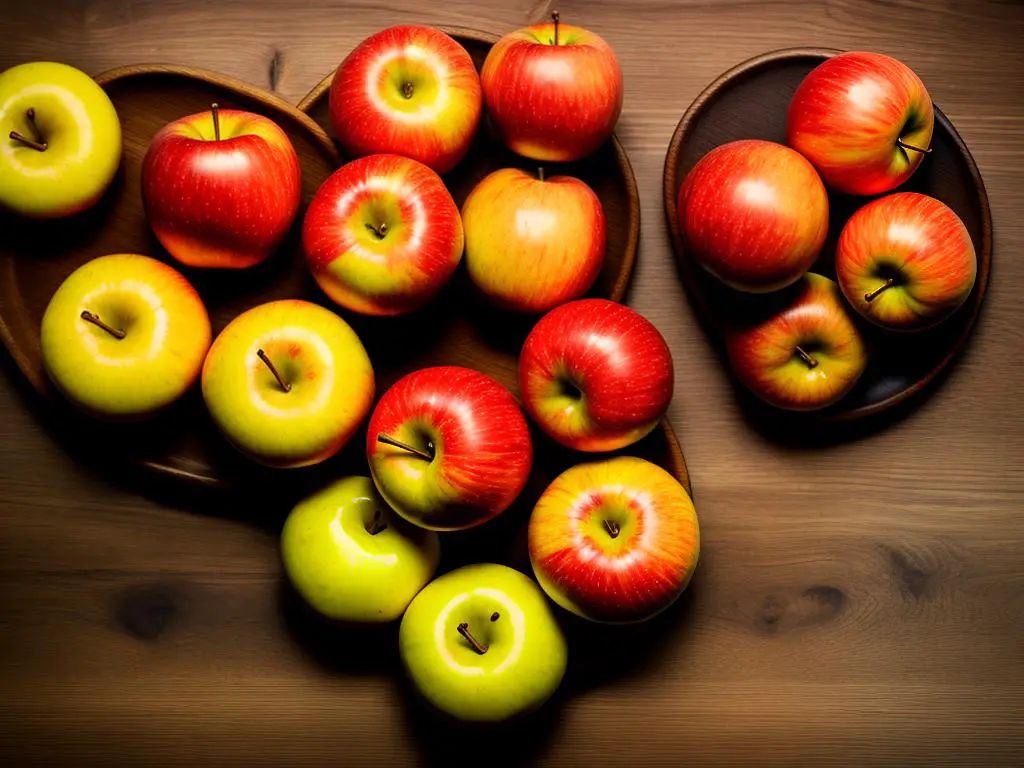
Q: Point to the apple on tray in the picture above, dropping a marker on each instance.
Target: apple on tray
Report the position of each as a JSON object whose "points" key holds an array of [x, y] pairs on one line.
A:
{"points": [[532, 242], [407, 90], [481, 644], [352, 558], [754, 214], [905, 261], [288, 383], [595, 375], [124, 336], [614, 541], [221, 188], [865, 120], [62, 140], [553, 90], [382, 235], [806, 355], [448, 448]]}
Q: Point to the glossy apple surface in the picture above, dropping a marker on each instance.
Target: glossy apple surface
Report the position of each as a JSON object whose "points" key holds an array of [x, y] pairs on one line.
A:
{"points": [[905, 261], [351, 557], [595, 375], [73, 135], [533, 244], [124, 335], [553, 90], [512, 660], [805, 356], [614, 540], [288, 383], [865, 120], [754, 214], [221, 188], [407, 90], [471, 448], [382, 235]]}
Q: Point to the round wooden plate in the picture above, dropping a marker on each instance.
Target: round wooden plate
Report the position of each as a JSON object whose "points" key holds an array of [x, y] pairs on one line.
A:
{"points": [[751, 101]]}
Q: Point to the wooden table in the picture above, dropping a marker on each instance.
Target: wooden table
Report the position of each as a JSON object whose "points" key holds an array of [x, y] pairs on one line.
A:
{"points": [[857, 603]]}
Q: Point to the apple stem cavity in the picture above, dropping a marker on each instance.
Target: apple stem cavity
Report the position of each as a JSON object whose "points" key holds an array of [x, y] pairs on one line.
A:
{"points": [[869, 297], [216, 127], [407, 89], [495, 616], [266, 360], [464, 631], [554, 19], [904, 146], [613, 528], [89, 317], [377, 525], [802, 354], [39, 146], [381, 230], [389, 440]]}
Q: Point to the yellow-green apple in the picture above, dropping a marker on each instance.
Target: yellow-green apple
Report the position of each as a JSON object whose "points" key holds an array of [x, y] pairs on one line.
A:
{"points": [[410, 91], [754, 214], [481, 644], [351, 557], [124, 335], [382, 235], [288, 383], [221, 188], [615, 540], [533, 243], [865, 121], [448, 448], [905, 261], [553, 90], [595, 375], [804, 356], [61, 140]]}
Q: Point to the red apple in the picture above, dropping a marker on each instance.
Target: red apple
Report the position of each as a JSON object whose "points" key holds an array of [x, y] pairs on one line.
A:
{"points": [[410, 91], [448, 448], [382, 235], [553, 91], [595, 375], [754, 214], [865, 121], [221, 188], [615, 540], [905, 261], [804, 356]]}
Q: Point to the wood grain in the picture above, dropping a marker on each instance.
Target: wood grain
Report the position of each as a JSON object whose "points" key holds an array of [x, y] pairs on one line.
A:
{"points": [[859, 599]]}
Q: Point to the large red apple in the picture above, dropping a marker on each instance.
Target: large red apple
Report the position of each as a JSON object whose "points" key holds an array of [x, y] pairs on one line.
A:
{"points": [[221, 188], [382, 235], [865, 121], [614, 540], [906, 261], [554, 91], [410, 91], [448, 448], [754, 214], [595, 375]]}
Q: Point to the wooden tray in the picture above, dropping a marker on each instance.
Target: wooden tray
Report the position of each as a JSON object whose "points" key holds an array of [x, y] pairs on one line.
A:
{"points": [[750, 102]]}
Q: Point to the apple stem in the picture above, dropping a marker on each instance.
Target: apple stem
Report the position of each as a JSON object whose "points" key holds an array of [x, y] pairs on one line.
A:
{"points": [[381, 230], [612, 527], [89, 317], [407, 89], [802, 354], [464, 631], [284, 384], [900, 143], [39, 146], [216, 125], [554, 18], [495, 616], [377, 525], [869, 297], [540, 173], [389, 440]]}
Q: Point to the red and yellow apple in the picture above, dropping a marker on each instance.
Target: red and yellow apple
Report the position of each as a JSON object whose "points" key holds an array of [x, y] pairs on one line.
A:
{"points": [[410, 91], [221, 188], [865, 120], [905, 261], [615, 540], [533, 243], [382, 235], [754, 214]]}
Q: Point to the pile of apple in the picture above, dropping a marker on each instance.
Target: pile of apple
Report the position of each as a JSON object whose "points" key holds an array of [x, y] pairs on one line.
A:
{"points": [[289, 382], [755, 215]]}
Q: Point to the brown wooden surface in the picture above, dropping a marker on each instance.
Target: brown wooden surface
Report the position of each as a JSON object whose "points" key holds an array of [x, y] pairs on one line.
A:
{"points": [[858, 602]]}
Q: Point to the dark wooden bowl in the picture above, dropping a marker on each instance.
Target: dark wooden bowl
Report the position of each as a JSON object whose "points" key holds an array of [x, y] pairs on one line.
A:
{"points": [[750, 102]]}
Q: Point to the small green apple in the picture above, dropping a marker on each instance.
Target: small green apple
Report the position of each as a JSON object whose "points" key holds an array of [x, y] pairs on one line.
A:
{"points": [[481, 644], [351, 557]]}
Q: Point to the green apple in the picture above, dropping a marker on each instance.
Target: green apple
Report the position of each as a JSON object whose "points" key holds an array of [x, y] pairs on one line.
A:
{"points": [[60, 140], [481, 644], [351, 557]]}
